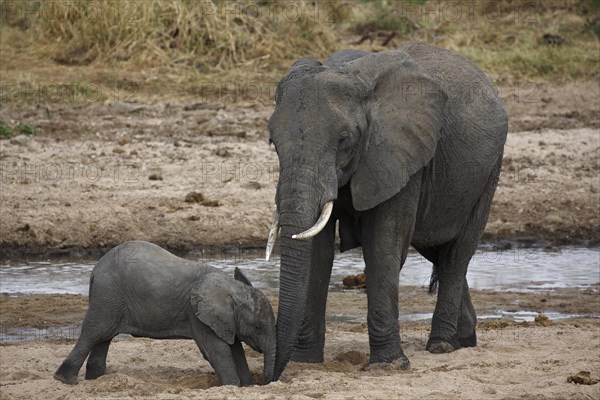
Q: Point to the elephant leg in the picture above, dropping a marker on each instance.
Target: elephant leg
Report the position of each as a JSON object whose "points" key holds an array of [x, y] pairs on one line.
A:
{"points": [[386, 235], [454, 317], [92, 335], [69, 369], [241, 365], [452, 276], [217, 352], [96, 364], [311, 340], [467, 320]]}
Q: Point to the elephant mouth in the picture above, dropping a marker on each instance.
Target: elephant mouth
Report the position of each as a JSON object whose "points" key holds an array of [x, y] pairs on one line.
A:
{"points": [[307, 234]]}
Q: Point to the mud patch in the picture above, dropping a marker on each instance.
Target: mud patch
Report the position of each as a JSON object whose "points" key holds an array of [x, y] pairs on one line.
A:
{"points": [[353, 357]]}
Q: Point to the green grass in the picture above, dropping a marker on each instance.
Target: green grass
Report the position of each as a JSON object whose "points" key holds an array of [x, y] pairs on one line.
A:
{"points": [[6, 131], [26, 129]]}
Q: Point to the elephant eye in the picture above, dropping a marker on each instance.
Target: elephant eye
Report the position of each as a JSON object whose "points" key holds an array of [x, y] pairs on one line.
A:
{"points": [[344, 140]]}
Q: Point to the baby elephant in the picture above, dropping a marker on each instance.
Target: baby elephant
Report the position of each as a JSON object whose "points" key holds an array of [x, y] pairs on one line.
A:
{"points": [[142, 289]]}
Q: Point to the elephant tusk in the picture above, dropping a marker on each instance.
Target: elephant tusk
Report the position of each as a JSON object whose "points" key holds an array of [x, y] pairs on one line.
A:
{"points": [[272, 236], [319, 225]]}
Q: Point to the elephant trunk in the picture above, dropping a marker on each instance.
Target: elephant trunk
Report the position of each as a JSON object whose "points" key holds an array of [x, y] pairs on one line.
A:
{"points": [[302, 195], [269, 365], [293, 287]]}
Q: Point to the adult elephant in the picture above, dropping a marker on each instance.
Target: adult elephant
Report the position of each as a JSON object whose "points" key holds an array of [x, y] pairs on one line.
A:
{"points": [[402, 148]]}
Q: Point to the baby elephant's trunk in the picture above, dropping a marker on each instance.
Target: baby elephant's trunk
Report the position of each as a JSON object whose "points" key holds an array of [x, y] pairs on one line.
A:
{"points": [[269, 366]]}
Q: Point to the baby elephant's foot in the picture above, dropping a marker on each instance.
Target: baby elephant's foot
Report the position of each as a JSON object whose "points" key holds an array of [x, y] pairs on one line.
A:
{"points": [[69, 380], [66, 373]]}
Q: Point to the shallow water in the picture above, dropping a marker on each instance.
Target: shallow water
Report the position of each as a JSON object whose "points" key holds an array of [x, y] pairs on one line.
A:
{"points": [[19, 335], [522, 270]]}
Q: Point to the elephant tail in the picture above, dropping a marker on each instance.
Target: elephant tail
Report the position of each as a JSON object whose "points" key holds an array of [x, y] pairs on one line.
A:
{"points": [[433, 281], [90, 290]]}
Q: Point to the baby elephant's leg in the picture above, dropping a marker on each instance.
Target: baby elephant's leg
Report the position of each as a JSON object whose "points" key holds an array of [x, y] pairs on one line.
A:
{"points": [[69, 369], [241, 365], [97, 331], [96, 364], [217, 352]]}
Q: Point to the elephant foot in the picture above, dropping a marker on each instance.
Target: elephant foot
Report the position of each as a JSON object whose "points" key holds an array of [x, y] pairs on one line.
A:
{"points": [[393, 359], [439, 346], [93, 374], [400, 364], [66, 373], [72, 380], [470, 341]]}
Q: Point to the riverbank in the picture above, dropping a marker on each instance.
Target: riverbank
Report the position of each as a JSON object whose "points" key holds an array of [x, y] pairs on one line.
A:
{"points": [[202, 177]]}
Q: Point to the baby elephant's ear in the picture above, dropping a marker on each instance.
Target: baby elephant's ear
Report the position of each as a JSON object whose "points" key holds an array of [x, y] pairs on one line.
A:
{"points": [[239, 276], [213, 305]]}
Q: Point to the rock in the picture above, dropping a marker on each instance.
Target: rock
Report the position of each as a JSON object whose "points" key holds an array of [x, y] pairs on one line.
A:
{"points": [[19, 140], [582, 378], [552, 40], [355, 281], [361, 280], [223, 153], [118, 150], [542, 319], [350, 281], [197, 197], [595, 187], [194, 197], [156, 177]]}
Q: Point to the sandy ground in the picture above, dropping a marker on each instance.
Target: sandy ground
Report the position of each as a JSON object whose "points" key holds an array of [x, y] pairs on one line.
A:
{"points": [[513, 360], [96, 175]]}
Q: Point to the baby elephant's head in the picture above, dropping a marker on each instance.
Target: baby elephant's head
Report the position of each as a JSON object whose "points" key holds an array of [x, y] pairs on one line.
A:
{"points": [[234, 309]]}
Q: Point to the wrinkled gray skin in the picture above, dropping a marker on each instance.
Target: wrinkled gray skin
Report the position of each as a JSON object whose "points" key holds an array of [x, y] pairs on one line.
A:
{"points": [[409, 145], [141, 289]]}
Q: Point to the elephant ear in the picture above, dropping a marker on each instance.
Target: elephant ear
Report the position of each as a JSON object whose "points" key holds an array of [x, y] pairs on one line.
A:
{"points": [[238, 275], [405, 113], [214, 306]]}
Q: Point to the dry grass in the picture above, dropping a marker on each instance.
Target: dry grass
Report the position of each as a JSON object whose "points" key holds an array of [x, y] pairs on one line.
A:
{"points": [[168, 49]]}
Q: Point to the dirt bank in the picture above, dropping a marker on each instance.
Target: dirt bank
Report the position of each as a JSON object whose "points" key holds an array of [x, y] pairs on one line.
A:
{"points": [[96, 175]]}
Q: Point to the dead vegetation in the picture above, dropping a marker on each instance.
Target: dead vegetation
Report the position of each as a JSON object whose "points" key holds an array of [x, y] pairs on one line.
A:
{"points": [[160, 50]]}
